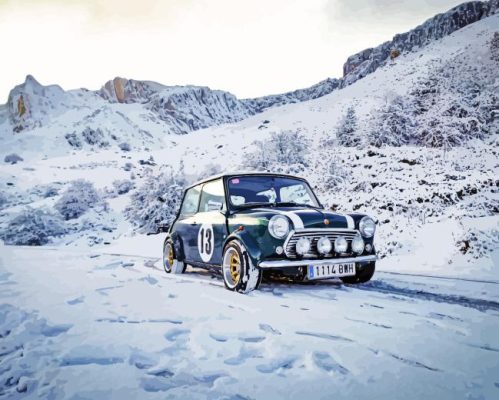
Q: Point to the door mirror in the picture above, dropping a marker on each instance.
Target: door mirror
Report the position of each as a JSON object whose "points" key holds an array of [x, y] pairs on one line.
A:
{"points": [[215, 205], [334, 207]]}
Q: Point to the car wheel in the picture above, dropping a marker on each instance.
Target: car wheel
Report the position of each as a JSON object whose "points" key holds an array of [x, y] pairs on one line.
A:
{"points": [[364, 274], [170, 262], [239, 273]]}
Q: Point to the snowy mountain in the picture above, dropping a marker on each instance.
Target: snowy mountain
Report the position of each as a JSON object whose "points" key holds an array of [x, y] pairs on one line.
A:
{"points": [[153, 110]]}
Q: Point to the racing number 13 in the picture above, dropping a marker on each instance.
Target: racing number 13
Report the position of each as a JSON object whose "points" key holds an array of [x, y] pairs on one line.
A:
{"points": [[206, 238]]}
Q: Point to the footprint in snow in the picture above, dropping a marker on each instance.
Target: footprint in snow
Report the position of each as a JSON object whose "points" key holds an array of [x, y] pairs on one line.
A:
{"points": [[175, 333], [141, 360], [78, 300], [277, 365], [42, 327], [149, 279], [327, 363], [218, 337], [251, 339], [244, 354], [267, 328]]}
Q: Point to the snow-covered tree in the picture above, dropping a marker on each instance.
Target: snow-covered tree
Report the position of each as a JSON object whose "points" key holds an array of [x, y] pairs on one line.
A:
{"points": [[347, 131], [157, 201], [452, 108], [123, 186], [393, 125], [285, 149], [79, 197], [33, 227], [494, 47]]}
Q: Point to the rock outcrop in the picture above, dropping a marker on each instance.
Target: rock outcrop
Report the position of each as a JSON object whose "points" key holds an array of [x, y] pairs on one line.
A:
{"points": [[31, 103], [367, 61]]}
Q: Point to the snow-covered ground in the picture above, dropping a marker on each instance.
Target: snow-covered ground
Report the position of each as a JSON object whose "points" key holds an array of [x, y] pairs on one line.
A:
{"points": [[89, 325], [92, 315]]}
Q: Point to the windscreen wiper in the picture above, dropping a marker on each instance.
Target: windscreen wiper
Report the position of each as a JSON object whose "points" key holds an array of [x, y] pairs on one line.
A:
{"points": [[293, 204]]}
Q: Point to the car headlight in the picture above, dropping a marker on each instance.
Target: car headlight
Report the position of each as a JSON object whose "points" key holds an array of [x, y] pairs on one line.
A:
{"points": [[367, 227], [358, 245], [340, 245], [302, 246], [279, 226], [324, 245]]}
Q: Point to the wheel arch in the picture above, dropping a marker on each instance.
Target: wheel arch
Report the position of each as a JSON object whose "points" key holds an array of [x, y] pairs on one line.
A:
{"points": [[249, 244], [178, 245]]}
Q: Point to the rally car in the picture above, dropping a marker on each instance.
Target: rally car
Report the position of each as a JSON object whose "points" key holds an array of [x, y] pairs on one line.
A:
{"points": [[247, 223]]}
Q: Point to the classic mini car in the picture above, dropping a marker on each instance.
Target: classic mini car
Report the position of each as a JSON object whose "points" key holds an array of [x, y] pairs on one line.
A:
{"points": [[251, 222]]}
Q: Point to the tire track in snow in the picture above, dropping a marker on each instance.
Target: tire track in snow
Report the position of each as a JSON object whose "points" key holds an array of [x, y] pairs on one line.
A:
{"points": [[387, 288]]}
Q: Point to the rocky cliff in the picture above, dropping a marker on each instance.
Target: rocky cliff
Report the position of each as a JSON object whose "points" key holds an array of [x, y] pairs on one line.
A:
{"points": [[367, 61]]}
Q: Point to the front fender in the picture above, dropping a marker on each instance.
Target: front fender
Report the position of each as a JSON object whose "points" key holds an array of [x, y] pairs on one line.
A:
{"points": [[248, 242]]}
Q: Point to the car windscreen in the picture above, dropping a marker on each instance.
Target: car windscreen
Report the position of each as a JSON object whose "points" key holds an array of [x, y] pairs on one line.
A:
{"points": [[261, 190]]}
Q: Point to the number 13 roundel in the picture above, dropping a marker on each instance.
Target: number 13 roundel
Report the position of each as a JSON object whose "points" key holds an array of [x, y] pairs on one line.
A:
{"points": [[206, 242]]}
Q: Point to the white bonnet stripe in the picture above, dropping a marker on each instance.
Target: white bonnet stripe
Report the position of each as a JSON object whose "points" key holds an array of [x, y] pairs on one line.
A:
{"points": [[350, 222], [295, 219]]}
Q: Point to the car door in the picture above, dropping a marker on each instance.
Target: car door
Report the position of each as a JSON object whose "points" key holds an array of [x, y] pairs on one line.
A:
{"points": [[211, 223], [186, 225]]}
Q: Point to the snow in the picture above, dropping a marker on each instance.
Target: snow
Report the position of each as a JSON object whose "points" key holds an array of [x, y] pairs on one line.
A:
{"points": [[93, 315], [103, 318]]}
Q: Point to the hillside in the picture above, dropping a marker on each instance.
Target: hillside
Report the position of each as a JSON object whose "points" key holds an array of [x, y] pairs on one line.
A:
{"points": [[127, 113]]}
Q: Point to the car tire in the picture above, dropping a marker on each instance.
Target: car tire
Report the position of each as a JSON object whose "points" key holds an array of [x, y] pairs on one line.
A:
{"points": [[363, 275], [170, 262], [247, 277]]}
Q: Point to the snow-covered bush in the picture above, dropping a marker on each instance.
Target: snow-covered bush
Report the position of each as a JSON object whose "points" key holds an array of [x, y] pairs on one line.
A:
{"points": [[284, 149], [157, 201], [347, 131], [94, 137], [393, 125], [73, 140], [13, 158], [33, 227], [123, 186], [125, 146], [335, 174], [79, 197], [210, 170]]}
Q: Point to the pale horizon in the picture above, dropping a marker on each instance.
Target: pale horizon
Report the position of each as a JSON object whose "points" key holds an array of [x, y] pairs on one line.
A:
{"points": [[247, 48]]}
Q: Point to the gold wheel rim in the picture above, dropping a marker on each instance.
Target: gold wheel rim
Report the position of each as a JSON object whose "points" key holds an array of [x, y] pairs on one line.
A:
{"points": [[235, 267], [170, 255]]}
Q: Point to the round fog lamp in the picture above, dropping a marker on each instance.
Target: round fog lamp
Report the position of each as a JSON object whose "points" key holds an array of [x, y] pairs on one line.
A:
{"points": [[302, 246], [340, 245], [358, 245], [324, 245]]}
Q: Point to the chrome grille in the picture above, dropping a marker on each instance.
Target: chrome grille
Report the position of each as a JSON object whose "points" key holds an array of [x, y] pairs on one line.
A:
{"points": [[314, 236]]}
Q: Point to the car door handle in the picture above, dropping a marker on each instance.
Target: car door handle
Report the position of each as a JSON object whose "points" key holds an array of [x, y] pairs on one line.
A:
{"points": [[193, 223]]}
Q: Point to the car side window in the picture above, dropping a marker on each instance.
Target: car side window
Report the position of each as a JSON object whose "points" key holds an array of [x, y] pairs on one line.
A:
{"points": [[191, 201], [212, 196]]}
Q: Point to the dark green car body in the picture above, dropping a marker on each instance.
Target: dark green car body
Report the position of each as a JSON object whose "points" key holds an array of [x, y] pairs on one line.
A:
{"points": [[201, 231]]}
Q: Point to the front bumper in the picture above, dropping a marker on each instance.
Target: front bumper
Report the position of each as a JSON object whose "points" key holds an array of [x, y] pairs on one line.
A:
{"points": [[304, 263]]}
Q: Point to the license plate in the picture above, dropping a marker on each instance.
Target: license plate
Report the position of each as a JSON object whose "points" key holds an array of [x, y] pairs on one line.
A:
{"points": [[330, 270]]}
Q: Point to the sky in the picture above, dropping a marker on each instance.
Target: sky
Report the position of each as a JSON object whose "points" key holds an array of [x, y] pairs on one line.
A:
{"points": [[248, 47]]}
